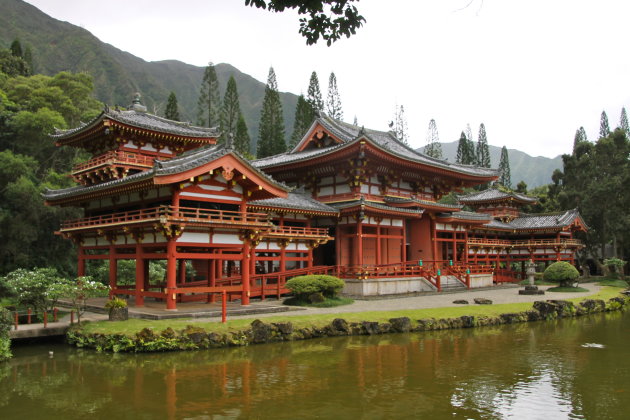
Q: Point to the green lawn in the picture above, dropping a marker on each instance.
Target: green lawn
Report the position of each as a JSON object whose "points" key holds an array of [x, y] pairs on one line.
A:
{"points": [[132, 326]]}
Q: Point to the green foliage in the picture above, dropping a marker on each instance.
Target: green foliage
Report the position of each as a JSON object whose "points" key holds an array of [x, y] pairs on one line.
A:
{"points": [[11, 65], [115, 302], [482, 151], [172, 110], [241, 138], [623, 121], [208, 105], [333, 102], [271, 129], [39, 289], [304, 117], [126, 271], [329, 19], [504, 169], [465, 150], [561, 272], [433, 147], [303, 286], [400, 125], [230, 111], [604, 127], [314, 94], [615, 265], [79, 291], [6, 322]]}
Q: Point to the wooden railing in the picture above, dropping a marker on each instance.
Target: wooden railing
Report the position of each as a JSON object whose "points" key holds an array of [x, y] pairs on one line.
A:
{"points": [[291, 231], [503, 275], [114, 157], [523, 243], [170, 214]]}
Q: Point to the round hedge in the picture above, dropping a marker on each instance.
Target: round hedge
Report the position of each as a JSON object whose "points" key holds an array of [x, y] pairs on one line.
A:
{"points": [[561, 272]]}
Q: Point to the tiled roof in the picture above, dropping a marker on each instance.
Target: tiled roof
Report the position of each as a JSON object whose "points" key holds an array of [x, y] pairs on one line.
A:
{"points": [[466, 215], [145, 121], [422, 203], [537, 221], [354, 203], [295, 200], [493, 194], [182, 163], [349, 133]]}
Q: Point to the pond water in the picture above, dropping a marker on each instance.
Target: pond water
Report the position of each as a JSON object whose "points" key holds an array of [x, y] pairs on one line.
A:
{"points": [[575, 368]]}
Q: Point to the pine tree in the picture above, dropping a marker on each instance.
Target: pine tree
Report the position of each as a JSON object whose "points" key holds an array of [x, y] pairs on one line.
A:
{"points": [[604, 127], [504, 169], [231, 109], [314, 94], [462, 149], [400, 125], [482, 150], [580, 136], [433, 147], [208, 105], [623, 121], [241, 138], [333, 104], [271, 128], [28, 58], [172, 111], [16, 48], [303, 119]]}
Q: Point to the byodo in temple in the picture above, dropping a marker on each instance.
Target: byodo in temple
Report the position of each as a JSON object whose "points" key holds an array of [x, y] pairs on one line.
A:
{"points": [[346, 201]]}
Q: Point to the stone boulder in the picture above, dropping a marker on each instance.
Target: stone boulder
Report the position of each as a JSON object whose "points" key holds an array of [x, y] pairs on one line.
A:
{"points": [[261, 332], [369, 328], [284, 328], [402, 324], [341, 325], [593, 305], [316, 298], [483, 301], [460, 302]]}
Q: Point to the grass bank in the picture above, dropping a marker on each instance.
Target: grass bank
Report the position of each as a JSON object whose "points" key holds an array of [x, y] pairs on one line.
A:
{"points": [[133, 326]]}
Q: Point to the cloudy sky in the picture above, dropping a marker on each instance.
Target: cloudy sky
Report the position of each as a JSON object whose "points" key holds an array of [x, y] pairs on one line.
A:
{"points": [[532, 71]]}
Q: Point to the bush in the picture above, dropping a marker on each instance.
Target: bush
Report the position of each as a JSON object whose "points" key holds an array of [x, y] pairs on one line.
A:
{"points": [[304, 286], [561, 272], [6, 322], [115, 303]]}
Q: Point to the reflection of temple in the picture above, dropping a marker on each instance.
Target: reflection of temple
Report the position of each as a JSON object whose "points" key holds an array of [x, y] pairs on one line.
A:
{"points": [[156, 189]]}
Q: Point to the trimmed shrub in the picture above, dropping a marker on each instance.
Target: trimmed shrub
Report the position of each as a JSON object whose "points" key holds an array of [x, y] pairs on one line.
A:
{"points": [[304, 286], [6, 322], [561, 272]]}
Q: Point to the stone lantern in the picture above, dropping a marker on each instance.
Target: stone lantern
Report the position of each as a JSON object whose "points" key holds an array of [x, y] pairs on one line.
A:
{"points": [[531, 288]]}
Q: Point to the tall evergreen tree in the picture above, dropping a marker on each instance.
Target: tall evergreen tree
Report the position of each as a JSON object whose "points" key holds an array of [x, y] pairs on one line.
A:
{"points": [[271, 127], [231, 109], [433, 147], [400, 125], [504, 169], [241, 138], [623, 121], [580, 136], [172, 110], [208, 105], [604, 127], [28, 58], [16, 48], [472, 156], [314, 94], [302, 122], [333, 104], [482, 150], [462, 150]]}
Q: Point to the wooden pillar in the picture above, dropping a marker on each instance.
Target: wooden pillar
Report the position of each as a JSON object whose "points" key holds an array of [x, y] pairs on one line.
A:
{"points": [[434, 239], [454, 244], [113, 269], [80, 262], [338, 238], [309, 261], [171, 274], [378, 243], [466, 250], [403, 255], [146, 277], [252, 262], [246, 287], [359, 243], [283, 257], [176, 198], [212, 279], [182, 271], [140, 271]]}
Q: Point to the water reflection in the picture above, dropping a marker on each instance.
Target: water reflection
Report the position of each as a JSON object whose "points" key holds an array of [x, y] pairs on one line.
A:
{"points": [[522, 371]]}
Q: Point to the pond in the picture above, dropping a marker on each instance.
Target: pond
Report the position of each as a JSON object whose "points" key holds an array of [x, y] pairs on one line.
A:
{"points": [[574, 368]]}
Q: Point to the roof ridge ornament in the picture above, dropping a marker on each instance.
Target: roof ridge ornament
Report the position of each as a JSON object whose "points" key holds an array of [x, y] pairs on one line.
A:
{"points": [[136, 105], [229, 141]]}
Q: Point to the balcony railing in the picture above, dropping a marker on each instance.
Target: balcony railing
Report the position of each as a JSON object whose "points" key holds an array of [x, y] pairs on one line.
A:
{"points": [[523, 243], [165, 214], [115, 158], [293, 231]]}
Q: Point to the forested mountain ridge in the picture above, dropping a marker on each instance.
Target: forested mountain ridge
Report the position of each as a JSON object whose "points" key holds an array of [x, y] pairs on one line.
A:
{"points": [[117, 75], [534, 170]]}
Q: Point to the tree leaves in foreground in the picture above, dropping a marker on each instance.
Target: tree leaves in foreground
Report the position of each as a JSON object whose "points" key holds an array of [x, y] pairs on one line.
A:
{"points": [[328, 19]]}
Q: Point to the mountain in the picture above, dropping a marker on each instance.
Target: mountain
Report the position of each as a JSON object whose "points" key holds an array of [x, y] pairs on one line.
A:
{"points": [[535, 171], [59, 46]]}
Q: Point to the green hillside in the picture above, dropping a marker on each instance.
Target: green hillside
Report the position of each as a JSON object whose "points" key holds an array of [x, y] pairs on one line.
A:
{"points": [[535, 171], [59, 46]]}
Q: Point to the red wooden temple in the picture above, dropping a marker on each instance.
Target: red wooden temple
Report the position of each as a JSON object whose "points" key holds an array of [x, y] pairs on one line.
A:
{"points": [[346, 200]]}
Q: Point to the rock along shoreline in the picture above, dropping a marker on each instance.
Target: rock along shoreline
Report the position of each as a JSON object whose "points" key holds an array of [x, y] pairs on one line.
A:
{"points": [[196, 338]]}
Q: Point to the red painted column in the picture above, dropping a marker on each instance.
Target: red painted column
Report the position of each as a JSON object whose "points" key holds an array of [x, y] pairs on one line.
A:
{"points": [[171, 275], [80, 262], [212, 279], [140, 271], [434, 239], [403, 255], [309, 262], [246, 286], [378, 244], [182, 272], [359, 242], [113, 269], [466, 250]]}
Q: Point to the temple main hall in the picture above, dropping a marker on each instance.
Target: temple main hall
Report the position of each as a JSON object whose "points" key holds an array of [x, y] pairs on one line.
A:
{"points": [[346, 201]]}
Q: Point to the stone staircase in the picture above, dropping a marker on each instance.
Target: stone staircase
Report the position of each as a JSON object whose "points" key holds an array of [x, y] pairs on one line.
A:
{"points": [[451, 284]]}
